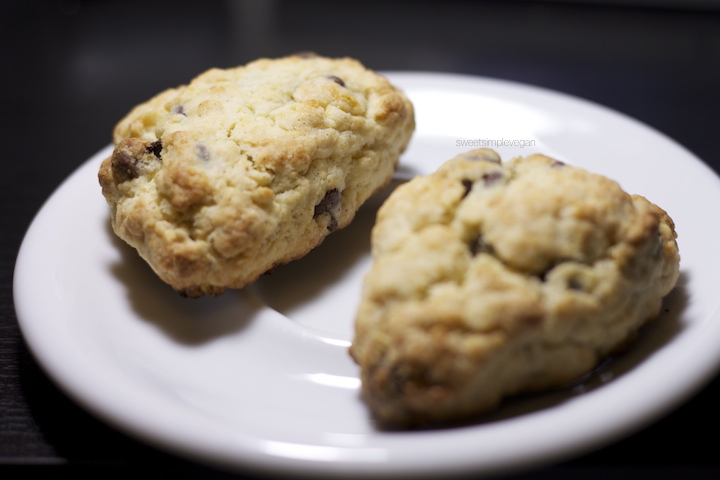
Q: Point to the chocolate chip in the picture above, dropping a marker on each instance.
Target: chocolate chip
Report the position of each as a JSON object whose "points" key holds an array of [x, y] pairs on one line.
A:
{"points": [[491, 178], [202, 152], [155, 148], [488, 179], [327, 205], [337, 80], [480, 246], [557, 164], [329, 202], [468, 184], [124, 166], [178, 109], [132, 157]]}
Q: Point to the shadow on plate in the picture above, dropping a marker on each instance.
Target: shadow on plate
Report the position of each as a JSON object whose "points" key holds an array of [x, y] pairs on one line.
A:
{"points": [[303, 281], [186, 320]]}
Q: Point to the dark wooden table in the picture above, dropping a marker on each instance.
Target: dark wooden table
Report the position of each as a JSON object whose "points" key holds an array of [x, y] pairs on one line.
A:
{"points": [[71, 69]]}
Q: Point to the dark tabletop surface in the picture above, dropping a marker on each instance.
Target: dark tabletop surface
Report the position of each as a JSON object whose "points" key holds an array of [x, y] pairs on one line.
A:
{"points": [[71, 69]]}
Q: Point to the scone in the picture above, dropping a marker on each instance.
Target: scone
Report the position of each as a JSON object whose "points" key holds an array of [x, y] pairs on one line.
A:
{"points": [[220, 180], [490, 279]]}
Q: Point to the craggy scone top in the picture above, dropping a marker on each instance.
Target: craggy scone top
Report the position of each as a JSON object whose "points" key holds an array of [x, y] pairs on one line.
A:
{"points": [[492, 278], [218, 181]]}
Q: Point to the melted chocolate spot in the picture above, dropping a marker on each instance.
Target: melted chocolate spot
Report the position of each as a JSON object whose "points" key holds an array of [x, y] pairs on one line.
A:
{"points": [[327, 205], [124, 166], [202, 152], [468, 184], [329, 202], [132, 157], [178, 109], [480, 246], [491, 178], [337, 80], [155, 148]]}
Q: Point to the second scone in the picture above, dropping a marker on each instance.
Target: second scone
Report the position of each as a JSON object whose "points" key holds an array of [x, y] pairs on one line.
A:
{"points": [[220, 180], [490, 279]]}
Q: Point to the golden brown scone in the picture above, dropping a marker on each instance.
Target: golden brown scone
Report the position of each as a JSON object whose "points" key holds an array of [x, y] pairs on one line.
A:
{"points": [[220, 180], [490, 279]]}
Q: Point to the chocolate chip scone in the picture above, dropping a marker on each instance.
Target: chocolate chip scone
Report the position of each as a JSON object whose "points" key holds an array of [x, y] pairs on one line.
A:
{"points": [[220, 180], [490, 279]]}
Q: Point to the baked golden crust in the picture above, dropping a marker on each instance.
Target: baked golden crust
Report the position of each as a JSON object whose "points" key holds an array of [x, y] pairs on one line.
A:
{"points": [[491, 279], [220, 180]]}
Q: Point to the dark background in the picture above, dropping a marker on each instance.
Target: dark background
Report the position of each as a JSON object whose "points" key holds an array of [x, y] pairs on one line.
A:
{"points": [[72, 69]]}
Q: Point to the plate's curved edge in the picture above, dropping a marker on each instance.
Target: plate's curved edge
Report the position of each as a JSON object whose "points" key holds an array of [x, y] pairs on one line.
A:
{"points": [[39, 345], [706, 369], [23, 255], [400, 76]]}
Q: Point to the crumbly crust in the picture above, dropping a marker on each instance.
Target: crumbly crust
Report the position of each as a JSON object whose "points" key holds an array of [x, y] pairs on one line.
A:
{"points": [[490, 279], [220, 180]]}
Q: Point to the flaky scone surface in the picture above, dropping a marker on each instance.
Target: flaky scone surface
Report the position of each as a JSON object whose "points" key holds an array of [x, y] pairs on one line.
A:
{"points": [[491, 279], [218, 181]]}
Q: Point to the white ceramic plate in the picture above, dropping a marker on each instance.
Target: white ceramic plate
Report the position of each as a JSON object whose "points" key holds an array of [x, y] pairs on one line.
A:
{"points": [[261, 378]]}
